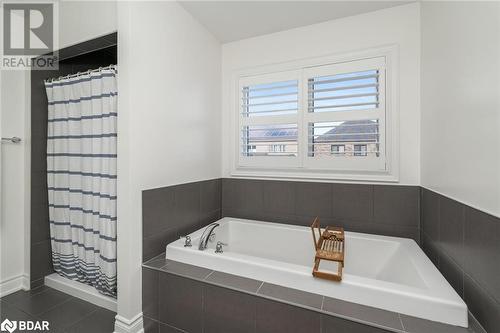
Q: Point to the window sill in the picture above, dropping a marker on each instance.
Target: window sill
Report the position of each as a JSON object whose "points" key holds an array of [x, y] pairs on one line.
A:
{"points": [[311, 175]]}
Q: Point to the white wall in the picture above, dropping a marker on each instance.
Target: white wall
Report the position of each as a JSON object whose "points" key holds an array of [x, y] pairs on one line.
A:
{"points": [[14, 181], [398, 25], [169, 121], [461, 102], [80, 21]]}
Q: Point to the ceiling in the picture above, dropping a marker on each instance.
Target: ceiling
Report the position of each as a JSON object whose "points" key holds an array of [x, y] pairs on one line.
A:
{"points": [[234, 20]]}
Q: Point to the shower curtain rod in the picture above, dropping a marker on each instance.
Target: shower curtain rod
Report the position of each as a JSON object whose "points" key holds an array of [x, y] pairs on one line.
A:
{"points": [[69, 76]]}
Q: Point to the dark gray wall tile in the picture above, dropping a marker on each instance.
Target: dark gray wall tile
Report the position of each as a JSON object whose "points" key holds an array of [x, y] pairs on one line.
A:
{"points": [[169, 329], [361, 312], [190, 271], [40, 260], [482, 305], [279, 197], [314, 199], [210, 196], [291, 295], [453, 273], [156, 244], [187, 205], [243, 194], [227, 311], [430, 214], [180, 302], [451, 228], [330, 324], [150, 325], [352, 203], [234, 281], [158, 210], [430, 249], [398, 205], [482, 248], [417, 325], [150, 293], [274, 317]]}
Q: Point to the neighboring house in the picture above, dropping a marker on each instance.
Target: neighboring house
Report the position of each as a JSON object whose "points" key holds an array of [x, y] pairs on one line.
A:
{"points": [[350, 138], [272, 142]]}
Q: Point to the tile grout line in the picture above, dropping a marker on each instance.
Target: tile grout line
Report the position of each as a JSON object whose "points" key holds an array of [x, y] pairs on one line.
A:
{"points": [[401, 321], [262, 283]]}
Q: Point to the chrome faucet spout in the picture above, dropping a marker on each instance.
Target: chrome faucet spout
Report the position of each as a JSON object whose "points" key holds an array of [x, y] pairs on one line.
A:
{"points": [[205, 237]]}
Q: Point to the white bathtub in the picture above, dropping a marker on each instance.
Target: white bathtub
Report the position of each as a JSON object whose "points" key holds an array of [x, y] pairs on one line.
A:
{"points": [[384, 272]]}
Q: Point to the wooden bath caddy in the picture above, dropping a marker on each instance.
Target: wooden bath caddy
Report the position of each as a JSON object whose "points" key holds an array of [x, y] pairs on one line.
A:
{"points": [[329, 246]]}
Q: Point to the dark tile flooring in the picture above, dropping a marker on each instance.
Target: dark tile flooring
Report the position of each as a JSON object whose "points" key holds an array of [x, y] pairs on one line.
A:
{"points": [[65, 313]]}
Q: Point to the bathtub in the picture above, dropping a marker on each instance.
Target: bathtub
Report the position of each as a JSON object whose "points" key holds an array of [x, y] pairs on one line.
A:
{"points": [[384, 272]]}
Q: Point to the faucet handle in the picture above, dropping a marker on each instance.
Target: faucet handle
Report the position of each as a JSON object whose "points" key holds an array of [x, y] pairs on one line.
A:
{"points": [[187, 242], [218, 247]]}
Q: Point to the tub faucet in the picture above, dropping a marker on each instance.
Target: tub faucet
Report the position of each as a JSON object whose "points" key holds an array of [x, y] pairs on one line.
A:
{"points": [[205, 237]]}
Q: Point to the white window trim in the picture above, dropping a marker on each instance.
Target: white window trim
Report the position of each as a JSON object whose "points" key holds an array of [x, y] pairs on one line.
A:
{"points": [[277, 171]]}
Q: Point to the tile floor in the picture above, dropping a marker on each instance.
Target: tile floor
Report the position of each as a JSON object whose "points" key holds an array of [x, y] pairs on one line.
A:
{"points": [[66, 314]]}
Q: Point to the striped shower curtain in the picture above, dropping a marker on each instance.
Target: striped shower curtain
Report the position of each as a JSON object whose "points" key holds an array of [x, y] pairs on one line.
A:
{"points": [[81, 177]]}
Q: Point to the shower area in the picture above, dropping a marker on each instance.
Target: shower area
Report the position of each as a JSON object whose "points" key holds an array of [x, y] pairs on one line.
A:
{"points": [[73, 173]]}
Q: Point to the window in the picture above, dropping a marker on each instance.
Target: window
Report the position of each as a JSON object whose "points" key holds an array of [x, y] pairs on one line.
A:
{"points": [[337, 150], [359, 150], [315, 119]]}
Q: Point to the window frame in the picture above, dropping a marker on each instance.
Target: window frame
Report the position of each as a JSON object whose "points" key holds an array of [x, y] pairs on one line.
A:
{"points": [[389, 172]]}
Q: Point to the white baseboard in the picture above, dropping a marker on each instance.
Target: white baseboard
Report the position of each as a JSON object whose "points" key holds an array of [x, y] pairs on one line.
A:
{"points": [[80, 290], [13, 284], [124, 325]]}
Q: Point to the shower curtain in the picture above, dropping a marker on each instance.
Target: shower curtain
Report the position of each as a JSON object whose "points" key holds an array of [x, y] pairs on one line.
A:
{"points": [[81, 177]]}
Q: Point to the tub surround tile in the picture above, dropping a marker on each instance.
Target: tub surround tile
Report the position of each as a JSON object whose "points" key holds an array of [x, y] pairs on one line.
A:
{"points": [[190, 271], [352, 203], [158, 207], [453, 274], [164, 328], [275, 317], [485, 309], [150, 325], [294, 296], [227, 311], [482, 244], [210, 196], [470, 267], [157, 262], [150, 280], [362, 313], [279, 197], [234, 281], [452, 228], [181, 302], [314, 199], [174, 211], [417, 325], [407, 210], [430, 214], [330, 324]]}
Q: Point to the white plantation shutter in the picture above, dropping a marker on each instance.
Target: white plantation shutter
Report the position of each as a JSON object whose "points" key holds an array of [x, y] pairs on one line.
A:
{"points": [[268, 127], [346, 106], [328, 117]]}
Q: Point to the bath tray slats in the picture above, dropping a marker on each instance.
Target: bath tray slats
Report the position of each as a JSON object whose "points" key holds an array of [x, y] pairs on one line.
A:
{"points": [[329, 245]]}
